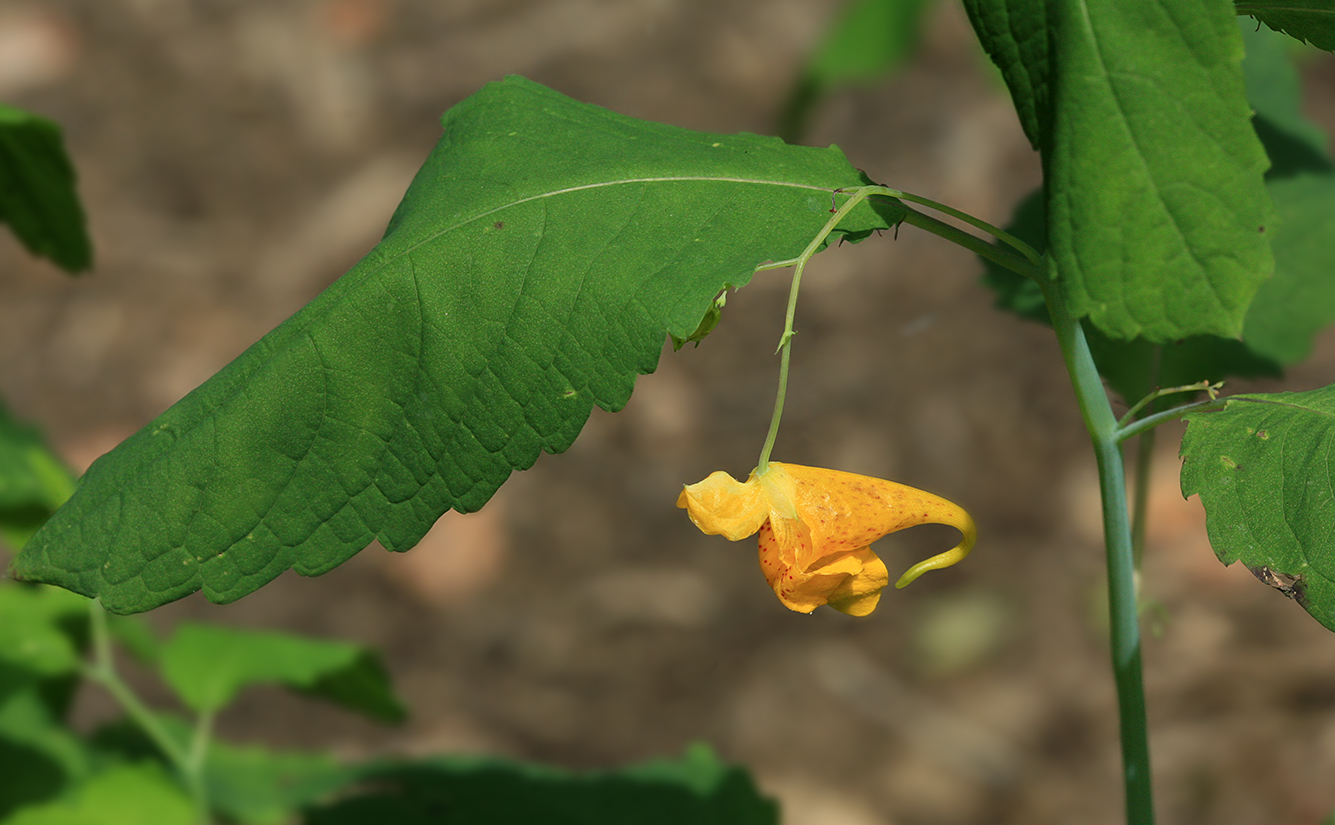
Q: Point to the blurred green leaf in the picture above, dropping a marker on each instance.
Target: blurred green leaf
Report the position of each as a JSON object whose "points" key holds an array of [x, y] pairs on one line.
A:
{"points": [[696, 789], [257, 786], [1155, 207], [867, 41], [37, 195], [39, 755], [1292, 142], [1291, 308], [122, 795], [1263, 469], [246, 785], [1311, 21], [33, 480], [41, 629], [540, 259], [207, 665]]}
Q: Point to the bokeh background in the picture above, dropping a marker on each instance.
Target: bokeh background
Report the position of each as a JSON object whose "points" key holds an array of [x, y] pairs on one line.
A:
{"points": [[236, 157]]}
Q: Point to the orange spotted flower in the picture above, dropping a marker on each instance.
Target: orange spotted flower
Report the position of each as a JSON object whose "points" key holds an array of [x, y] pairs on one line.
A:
{"points": [[816, 526]]}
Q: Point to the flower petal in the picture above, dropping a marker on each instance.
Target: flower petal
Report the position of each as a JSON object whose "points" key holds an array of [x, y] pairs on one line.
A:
{"points": [[723, 506], [846, 511], [849, 582], [859, 594]]}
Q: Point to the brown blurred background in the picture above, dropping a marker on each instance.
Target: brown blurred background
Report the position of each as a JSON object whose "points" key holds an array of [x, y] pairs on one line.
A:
{"points": [[236, 157]]}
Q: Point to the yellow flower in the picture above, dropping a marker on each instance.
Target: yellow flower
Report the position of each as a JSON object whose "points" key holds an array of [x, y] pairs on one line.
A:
{"points": [[816, 526]]}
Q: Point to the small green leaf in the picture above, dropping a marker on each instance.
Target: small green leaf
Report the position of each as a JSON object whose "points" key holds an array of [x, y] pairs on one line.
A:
{"points": [[246, 785], [867, 40], [1311, 21], [37, 195], [207, 665], [543, 254], [1263, 469], [257, 786], [698, 789], [707, 324], [40, 756], [41, 628], [33, 481], [122, 795]]}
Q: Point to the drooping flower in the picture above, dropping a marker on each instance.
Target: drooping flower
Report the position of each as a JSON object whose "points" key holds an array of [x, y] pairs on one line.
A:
{"points": [[816, 526]]}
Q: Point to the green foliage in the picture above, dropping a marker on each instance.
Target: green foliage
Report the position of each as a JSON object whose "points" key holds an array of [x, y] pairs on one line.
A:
{"points": [[1289, 309], [1156, 215], [152, 767], [1311, 21], [207, 665], [1262, 469], [251, 785], [37, 195], [698, 789], [33, 481], [534, 269], [1132, 368], [1274, 91], [868, 40], [122, 795]]}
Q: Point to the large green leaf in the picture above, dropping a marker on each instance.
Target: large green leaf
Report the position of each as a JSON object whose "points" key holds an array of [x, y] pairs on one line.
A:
{"points": [[1152, 173], [536, 266], [1311, 21], [207, 665], [1264, 471], [1136, 367], [697, 788], [37, 195]]}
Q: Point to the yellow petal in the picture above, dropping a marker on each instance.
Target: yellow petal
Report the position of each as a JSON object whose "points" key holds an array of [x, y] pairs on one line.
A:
{"points": [[723, 506], [846, 512], [850, 582], [858, 595]]}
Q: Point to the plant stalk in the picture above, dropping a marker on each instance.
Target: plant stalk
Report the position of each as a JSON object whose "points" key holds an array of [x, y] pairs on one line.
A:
{"points": [[102, 670], [1124, 621]]}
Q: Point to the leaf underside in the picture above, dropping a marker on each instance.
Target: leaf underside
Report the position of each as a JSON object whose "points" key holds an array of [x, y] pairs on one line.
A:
{"points": [[537, 264], [1311, 21], [1264, 468]]}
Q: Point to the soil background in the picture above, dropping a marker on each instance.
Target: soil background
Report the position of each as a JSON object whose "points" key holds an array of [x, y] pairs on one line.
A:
{"points": [[237, 157]]}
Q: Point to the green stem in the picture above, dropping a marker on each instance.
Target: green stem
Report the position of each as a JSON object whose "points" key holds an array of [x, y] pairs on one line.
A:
{"points": [[999, 255], [1030, 254], [1140, 508], [102, 671], [1141, 503], [856, 196], [1124, 621], [1149, 422], [1106, 435], [1016, 255], [1199, 386]]}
